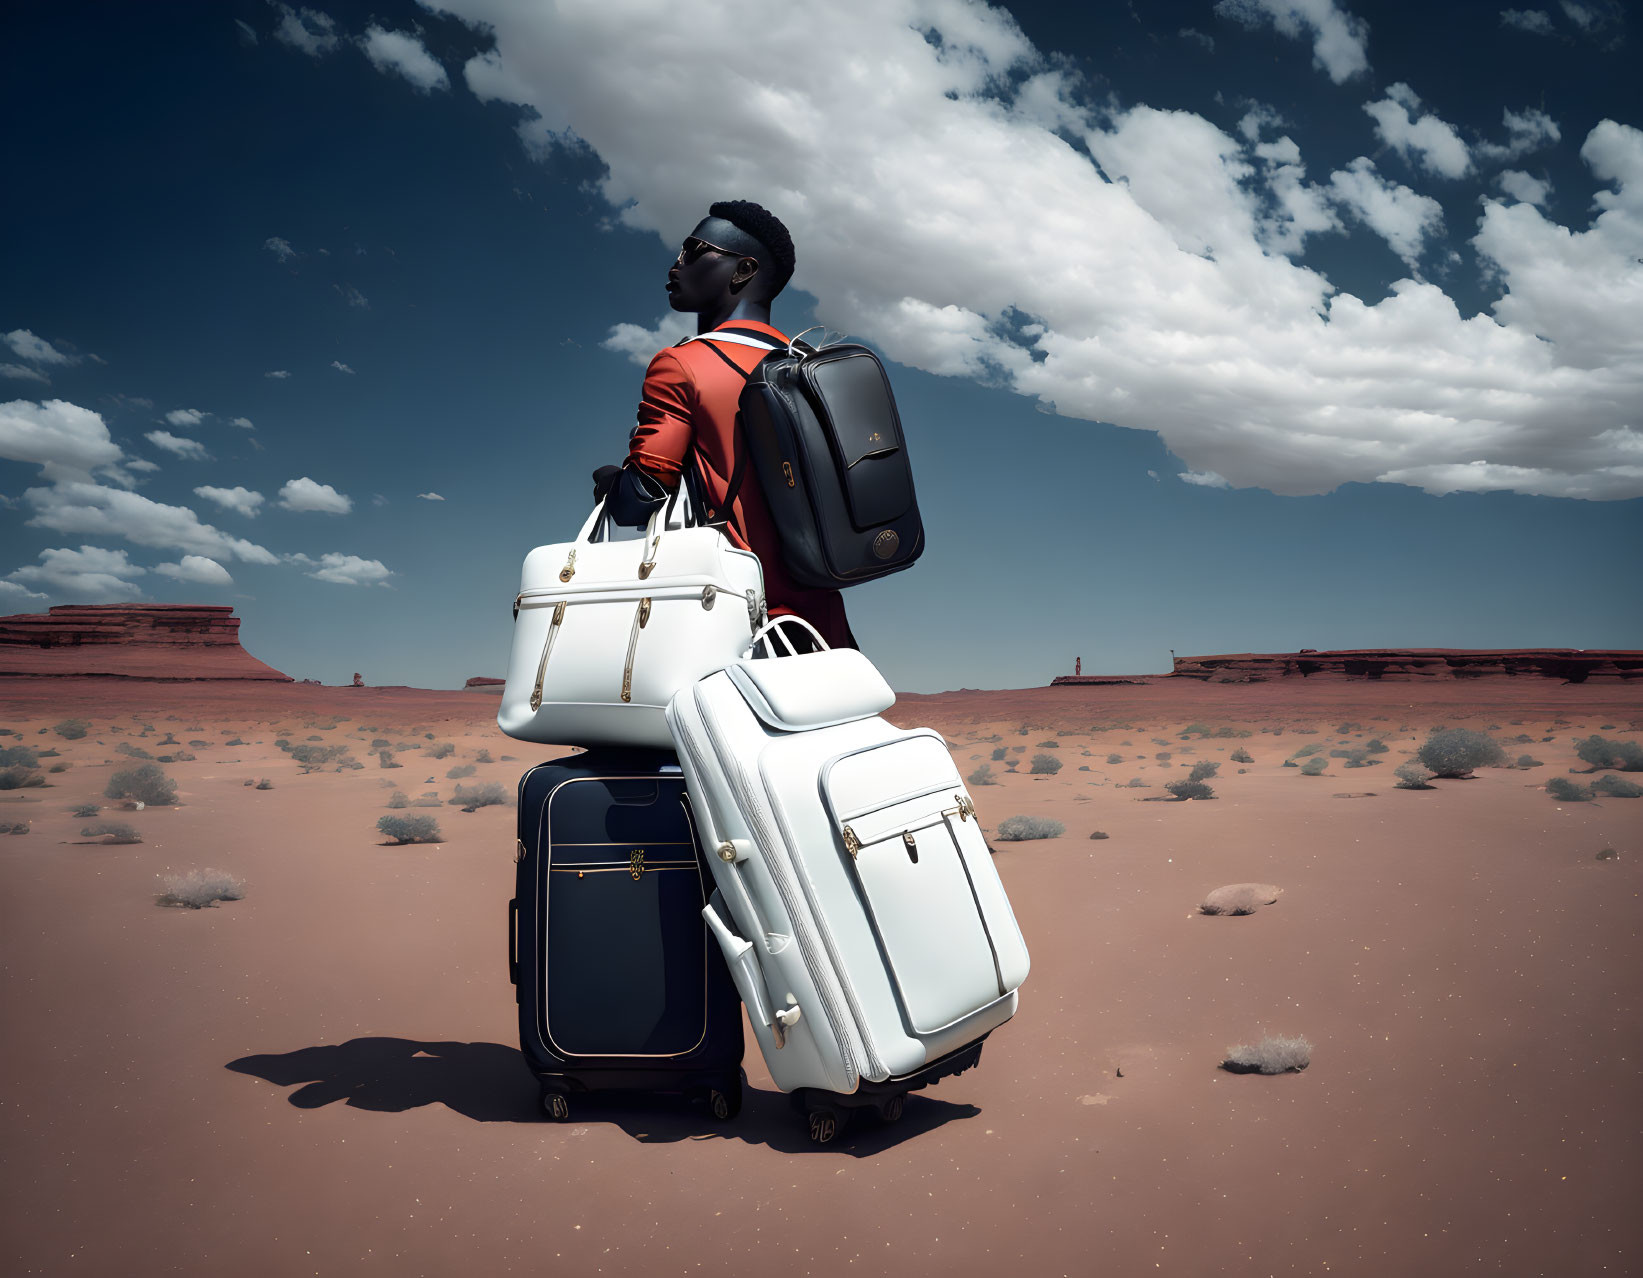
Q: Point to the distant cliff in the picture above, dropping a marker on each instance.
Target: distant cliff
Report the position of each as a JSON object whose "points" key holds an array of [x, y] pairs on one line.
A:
{"points": [[130, 641], [1572, 665]]}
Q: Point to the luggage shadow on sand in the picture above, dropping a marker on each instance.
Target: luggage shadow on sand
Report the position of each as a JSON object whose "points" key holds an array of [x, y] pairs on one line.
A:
{"points": [[486, 1082], [490, 1083]]}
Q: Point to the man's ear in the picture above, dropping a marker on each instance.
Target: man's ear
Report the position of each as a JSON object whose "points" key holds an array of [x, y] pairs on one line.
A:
{"points": [[745, 270]]}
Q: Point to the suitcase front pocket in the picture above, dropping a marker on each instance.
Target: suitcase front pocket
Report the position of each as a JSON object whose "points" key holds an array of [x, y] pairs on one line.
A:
{"points": [[900, 818], [626, 971]]}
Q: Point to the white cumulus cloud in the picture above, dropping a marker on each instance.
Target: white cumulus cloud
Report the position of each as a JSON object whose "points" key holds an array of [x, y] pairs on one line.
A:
{"points": [[309, 30], [198, 570], [430, 497], [185, 417], [99, 511], [350, 570], [311, 495], [1420, 137], [65, 440], [1524, 186], [1338, 37], [280, 247], [639, 343], [242, 501], [1536, 21], [279, 374], [1527, 130], [25, 345], [401, 53], [1173, 306], [191, 449], [1203, 479], [24, 374], [244, 423], [87, 575], [341, 367]]}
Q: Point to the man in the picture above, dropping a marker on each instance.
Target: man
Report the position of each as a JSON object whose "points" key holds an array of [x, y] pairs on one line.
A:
{"points": [[728, 271]]}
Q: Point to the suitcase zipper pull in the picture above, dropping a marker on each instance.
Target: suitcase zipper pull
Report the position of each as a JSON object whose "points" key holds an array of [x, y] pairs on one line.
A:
{"points": [[569, 570], [640, 616], [648, 564], [636, 864], [912, 845], [542, 666], [852, 844]]}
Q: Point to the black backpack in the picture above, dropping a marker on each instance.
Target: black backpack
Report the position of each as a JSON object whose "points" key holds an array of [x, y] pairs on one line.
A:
{"points": [[825, 441]]}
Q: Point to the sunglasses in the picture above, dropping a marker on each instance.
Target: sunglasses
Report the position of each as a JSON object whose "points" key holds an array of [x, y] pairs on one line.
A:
{"points": [[693, 248]]}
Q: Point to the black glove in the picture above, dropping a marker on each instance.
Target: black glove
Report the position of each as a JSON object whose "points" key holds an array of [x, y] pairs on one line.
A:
{"points": [[603, 478]]}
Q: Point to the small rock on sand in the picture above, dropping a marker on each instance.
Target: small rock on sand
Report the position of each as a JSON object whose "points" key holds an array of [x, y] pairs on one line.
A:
{"points": [[1240, 898]]}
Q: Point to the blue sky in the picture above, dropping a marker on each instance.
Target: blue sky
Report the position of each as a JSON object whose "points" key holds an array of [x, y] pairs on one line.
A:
{"points": [[1251, 325]]}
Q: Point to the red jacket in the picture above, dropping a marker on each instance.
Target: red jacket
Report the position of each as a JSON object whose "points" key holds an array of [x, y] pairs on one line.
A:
{"points": [[689, 401]]}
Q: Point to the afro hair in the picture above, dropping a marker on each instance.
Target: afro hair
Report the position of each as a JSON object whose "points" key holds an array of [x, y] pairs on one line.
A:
{"points": [[766, 227]]}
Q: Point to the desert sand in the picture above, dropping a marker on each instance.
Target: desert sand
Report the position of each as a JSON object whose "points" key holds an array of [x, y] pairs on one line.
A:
{"points": [[323, 1078]]}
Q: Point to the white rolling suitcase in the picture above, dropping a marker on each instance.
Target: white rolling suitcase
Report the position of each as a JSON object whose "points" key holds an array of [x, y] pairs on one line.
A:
{"points": [[857, 904]]}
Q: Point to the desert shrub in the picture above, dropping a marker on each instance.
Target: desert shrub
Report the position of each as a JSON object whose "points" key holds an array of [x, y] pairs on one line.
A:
{"points": [[461, 770], [199, 889], [314, 756], [1355, 758], [1241, 755], [999, 754], [1190, 789], [59, 767], [14, 827], [84, 810], [486, 795], [284, 743], [19, 757], [1617, 787], [181, 756], [72, 729], [1016, 829], [18, 778], [1136, 783], [1099, 834], [427, 801], [111, 832], [1314, 767], [982, 776], [1600, 752], [265, 784], [170, 738], [441, 750], [147, 783], [1045, 764], [1528, 761], [1049, 745], [1115, 758], [1203, 770], [1307, 751], [313, 738], [1567, 791], [1412, 776], [1375, 746], [1018, 749], [398, 800], [484, 756], [235, 742], [381, 743], [410, 829], [350, 765], [1454, 752], [1163, 756], [1274, 1054]]}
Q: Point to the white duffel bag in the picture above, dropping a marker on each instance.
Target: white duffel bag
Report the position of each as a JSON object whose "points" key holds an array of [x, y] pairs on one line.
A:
{"points": [[605, 632]]}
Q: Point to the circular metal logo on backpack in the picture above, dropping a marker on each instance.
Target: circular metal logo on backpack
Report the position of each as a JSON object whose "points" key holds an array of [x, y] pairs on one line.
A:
{"points": [[884, 545]]}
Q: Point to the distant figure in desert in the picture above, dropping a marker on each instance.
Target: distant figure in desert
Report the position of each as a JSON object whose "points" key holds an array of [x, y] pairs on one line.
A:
{"points": [[728, 271]]}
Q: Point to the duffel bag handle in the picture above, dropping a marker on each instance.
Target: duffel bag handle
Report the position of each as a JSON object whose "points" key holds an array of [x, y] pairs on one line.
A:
{"points": [[773, 627]]}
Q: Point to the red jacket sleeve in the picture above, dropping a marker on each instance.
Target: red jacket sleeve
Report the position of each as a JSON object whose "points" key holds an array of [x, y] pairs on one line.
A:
{"points": [[662, 439]]}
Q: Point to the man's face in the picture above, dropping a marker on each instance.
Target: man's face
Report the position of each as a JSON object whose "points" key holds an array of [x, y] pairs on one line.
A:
{"points": [[701, 276]]}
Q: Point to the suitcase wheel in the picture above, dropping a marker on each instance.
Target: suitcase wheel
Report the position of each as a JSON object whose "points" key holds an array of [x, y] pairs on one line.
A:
{"points": [[824, 1125], [554, 1105], [725, 1103], [891, 1110]]}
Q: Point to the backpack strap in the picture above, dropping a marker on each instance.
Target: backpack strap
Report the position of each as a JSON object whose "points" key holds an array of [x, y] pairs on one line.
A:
{"points": [[737, 337]]}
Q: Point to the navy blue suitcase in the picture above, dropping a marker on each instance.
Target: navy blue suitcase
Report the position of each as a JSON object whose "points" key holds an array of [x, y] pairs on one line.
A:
{"points": [[619, 986]]}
